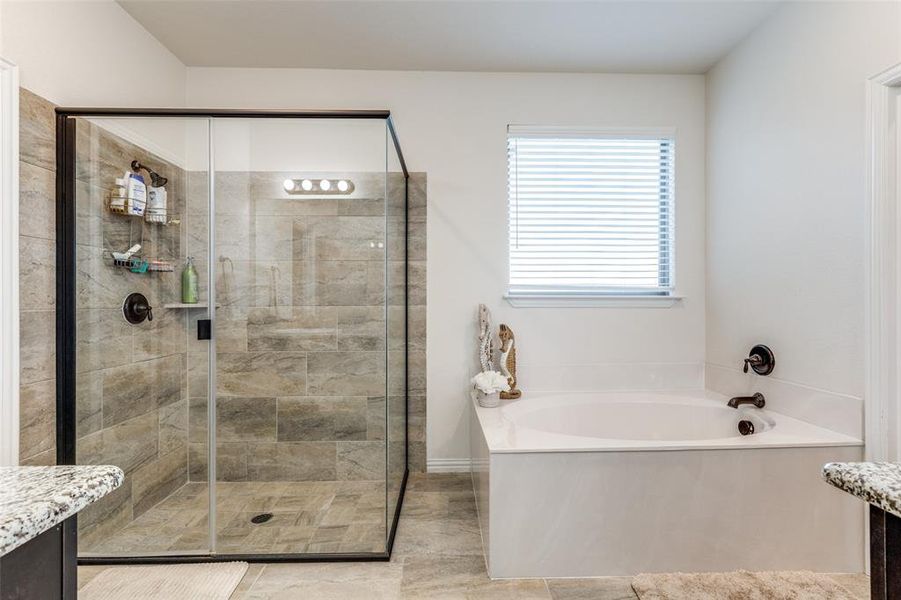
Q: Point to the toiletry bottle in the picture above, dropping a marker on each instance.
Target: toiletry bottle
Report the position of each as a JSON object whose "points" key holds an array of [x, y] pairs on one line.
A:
{"points": [[156, 205], [137, 194], [189, 282], [119, 195]]}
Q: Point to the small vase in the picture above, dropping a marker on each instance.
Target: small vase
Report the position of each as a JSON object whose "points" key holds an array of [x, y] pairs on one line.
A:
{"points": [[489, 400]]}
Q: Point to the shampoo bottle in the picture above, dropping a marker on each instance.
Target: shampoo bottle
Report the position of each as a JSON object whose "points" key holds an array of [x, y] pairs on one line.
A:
{"points": [[189, 282]]}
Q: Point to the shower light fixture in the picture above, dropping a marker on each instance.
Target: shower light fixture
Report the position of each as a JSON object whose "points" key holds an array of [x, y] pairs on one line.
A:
{"points": [[319, 187]]}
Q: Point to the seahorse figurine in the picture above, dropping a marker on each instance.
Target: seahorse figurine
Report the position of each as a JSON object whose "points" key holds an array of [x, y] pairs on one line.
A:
{"points": [[508, 362]]}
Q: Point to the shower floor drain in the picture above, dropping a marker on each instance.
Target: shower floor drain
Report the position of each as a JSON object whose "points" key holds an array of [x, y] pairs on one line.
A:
{"points": [[261, 518]]}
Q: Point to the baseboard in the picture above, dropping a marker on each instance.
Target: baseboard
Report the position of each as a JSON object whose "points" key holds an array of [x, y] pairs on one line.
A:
{"points": [[448, 465]]}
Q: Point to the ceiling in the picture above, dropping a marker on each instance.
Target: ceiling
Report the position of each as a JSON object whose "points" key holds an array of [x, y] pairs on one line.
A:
{"points": [[439, 35]]}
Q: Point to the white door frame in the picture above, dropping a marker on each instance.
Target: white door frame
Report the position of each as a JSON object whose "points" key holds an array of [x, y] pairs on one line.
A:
{"points": [[883, 303], [9, 263]]}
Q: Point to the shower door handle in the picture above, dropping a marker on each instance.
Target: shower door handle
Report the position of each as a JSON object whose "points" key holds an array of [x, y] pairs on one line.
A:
{"points": [[204, 329]]}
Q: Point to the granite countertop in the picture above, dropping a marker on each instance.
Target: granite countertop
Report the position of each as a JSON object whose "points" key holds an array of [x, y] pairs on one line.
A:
{"points": [[34, 499], [878, 483]]}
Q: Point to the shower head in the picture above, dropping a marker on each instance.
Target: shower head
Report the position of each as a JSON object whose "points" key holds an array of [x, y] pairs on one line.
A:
{"points": [[156, 180]]}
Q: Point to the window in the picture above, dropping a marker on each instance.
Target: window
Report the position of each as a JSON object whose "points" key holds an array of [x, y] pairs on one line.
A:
{"points": [[591, 215]]}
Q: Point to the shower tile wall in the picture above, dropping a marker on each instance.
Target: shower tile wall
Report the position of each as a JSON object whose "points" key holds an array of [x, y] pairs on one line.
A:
{"points": [[37, 279], [131, 382], [301, 330], [132, 408]]}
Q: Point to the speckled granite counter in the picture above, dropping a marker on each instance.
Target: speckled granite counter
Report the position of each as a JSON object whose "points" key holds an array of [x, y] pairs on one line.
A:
{"points": [[34, 499], [878, 483]]}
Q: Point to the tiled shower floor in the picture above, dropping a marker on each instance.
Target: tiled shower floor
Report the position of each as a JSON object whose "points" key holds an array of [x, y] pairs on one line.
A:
{"points": [[307, 517]]}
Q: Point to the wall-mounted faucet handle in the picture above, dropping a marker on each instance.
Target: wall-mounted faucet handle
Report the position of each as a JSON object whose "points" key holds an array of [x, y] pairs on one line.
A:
{"points": [[753, 361], [761, 360]]}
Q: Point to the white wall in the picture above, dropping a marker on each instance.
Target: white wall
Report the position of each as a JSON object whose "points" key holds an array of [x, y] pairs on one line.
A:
{"points": [[453, 126], [88, 53], [786, 196], [93, 53]]}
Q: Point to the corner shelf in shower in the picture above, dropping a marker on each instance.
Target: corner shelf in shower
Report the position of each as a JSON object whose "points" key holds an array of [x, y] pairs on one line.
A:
{"points": [[189, 306]]}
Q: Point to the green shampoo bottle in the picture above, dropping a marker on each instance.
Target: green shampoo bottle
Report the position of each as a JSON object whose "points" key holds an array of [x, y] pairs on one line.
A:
{"points": [[189, 282]]}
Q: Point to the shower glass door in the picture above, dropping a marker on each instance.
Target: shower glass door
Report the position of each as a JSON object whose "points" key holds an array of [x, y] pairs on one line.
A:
{"points": [[134, 380], [258, 408], [301, 321]]}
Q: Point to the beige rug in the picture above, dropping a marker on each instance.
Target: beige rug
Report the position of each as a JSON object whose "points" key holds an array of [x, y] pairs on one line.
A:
{"points": [[201, 581], [739, 585]]}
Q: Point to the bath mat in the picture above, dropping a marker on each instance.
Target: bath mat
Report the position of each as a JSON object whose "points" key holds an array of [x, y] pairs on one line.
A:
{"points": [[202, 581], [739, 585]]}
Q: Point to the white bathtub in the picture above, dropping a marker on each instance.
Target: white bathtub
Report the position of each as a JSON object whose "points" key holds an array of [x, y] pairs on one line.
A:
{"points": [[581, 485]]}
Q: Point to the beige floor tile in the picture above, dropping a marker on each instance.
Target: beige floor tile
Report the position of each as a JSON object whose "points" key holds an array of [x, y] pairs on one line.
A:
{"points": [[253, 572], [87, 573], [463, 577], [328, 581], [856, 583], [417, 536], [604, 588]]}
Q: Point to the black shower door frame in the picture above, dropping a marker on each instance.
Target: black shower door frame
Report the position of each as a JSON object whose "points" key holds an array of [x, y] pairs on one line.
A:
{"points": [[66, 303]]}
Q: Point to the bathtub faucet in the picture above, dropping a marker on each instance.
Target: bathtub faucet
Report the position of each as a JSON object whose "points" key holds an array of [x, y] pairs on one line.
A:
{"points": [[757, 400]]}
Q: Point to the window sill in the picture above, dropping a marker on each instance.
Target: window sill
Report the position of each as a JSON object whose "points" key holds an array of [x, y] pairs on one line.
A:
{"points": [[602, 301]]}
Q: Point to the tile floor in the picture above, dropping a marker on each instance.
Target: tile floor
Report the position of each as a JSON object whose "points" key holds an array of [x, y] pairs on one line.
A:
{"points": [[315, 516], [437, 555]]}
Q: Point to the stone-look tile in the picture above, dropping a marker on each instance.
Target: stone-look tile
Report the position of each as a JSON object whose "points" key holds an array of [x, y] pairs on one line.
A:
{"points": [[416, 282], [37, 198], [361, 460], [237, 419], [163, 336], [100, 285], [291, 461], [231, 461], [88, 403], [322, 419], [856, 583], [361, 328], [37, 131], [37, 346], [44, 459], [174, 427], [138, 388], [339, 282], [231, 330], [88, 572], [103, 339], [328, 581], [232, 193], [100, 519], [416, 456], [339, 238], [292, 328], [152, 482], [605, 588], [463, 577], [262, 374], [250, 577], [346, 373], [37, 273], [127, 445], [376, 417], [37, 416]]}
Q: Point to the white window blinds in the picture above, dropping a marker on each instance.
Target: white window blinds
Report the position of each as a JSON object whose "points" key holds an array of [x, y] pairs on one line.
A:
{"points": [[590, 214]]}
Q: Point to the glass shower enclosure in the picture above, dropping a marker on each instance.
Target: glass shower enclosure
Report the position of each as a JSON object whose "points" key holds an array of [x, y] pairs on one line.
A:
{"points": [[257, 403]]}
